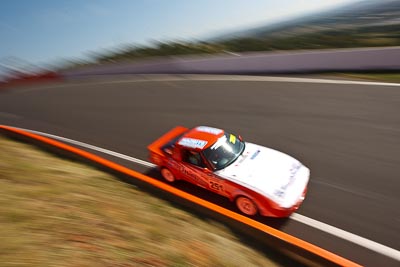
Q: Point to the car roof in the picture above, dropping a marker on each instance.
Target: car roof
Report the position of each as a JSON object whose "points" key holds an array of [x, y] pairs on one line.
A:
{"points": [[200, 138]]}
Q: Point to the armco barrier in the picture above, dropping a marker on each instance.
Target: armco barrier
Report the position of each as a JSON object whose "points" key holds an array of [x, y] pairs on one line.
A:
{"points": [[301, 250], [361, 59], [24, 78]]}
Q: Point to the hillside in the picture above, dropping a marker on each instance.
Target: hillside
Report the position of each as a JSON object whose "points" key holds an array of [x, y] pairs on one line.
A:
{"points": [[374, 15], [362, 24], [368, 23]]}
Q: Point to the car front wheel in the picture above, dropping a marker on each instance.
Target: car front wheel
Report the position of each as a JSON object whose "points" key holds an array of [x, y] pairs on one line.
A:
{"points": [[246, 206], [167, 175]]}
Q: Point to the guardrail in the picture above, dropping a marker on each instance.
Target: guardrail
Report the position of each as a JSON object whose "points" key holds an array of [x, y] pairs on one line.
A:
{"points": [[26, 78], [298, 249], [361, 59]]}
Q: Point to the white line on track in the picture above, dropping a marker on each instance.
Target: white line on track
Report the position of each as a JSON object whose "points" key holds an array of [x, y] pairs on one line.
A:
{"points": [[369, 244], [361, 241], [95, 148], [193, 77], [248, 79]]}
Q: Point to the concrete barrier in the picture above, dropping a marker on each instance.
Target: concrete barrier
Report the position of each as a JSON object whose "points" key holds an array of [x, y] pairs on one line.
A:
{"points": [[360, 59]]}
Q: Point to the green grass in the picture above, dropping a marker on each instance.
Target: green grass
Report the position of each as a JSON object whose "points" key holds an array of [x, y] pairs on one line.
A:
{"points": [[56, 212], [390, 77]]}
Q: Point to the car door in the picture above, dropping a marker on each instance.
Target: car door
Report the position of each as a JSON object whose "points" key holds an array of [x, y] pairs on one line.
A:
{"points": [[198, 172], [193, 168]]}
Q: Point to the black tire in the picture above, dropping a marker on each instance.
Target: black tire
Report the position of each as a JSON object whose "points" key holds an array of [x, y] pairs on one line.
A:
{"points": [[246, 206], [168, 175]]}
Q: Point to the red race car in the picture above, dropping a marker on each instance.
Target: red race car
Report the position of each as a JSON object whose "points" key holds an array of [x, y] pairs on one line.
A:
{"points": [[258, 179]]}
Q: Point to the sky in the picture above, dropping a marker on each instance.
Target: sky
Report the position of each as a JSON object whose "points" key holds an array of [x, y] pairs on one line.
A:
{"points": [[47, 31]]}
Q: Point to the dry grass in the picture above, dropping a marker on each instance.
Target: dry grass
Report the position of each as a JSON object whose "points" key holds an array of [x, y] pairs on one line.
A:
{"points": [[55, 212], [379, 77]]}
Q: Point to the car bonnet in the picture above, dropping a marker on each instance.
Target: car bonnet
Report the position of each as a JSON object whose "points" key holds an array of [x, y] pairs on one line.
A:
{"points": [[269, 172]]}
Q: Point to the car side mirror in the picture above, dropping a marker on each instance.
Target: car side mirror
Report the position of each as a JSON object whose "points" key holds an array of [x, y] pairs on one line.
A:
{"points": [[240, 138]]}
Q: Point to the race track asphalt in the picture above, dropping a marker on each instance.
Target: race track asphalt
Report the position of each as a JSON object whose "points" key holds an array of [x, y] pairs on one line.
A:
{"points": [[347, 134]]}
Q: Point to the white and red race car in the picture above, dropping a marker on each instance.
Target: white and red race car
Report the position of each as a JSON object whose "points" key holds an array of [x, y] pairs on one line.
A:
{"points": [[258, 179]]}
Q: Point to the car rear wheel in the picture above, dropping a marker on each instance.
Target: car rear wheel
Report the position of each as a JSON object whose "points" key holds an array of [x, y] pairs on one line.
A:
{"points": [[246, 206], [167, 175]]}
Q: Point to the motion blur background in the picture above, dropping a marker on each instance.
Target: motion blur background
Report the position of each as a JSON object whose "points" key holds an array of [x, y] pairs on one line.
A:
{"points": [[41, 35]]}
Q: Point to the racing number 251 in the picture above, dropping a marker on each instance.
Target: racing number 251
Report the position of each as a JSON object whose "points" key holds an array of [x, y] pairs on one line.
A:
{"points": [[216, 186]]}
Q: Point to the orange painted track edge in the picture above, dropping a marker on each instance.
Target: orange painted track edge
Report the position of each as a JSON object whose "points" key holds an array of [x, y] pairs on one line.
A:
{"points": [[336, 259]]}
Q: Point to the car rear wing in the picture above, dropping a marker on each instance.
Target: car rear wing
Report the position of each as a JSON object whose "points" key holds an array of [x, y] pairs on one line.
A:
{"points": [[157, 145]]}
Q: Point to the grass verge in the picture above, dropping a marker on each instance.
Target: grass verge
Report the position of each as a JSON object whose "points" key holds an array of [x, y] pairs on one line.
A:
{"points": [[56, 212], [390, 77]]}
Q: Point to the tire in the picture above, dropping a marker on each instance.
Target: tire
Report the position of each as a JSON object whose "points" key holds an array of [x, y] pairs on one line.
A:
{"points": [[168, 175], [246, 206]]}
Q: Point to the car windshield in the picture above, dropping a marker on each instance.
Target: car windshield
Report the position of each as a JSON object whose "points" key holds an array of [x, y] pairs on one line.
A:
{"points": [[225, 151]]}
